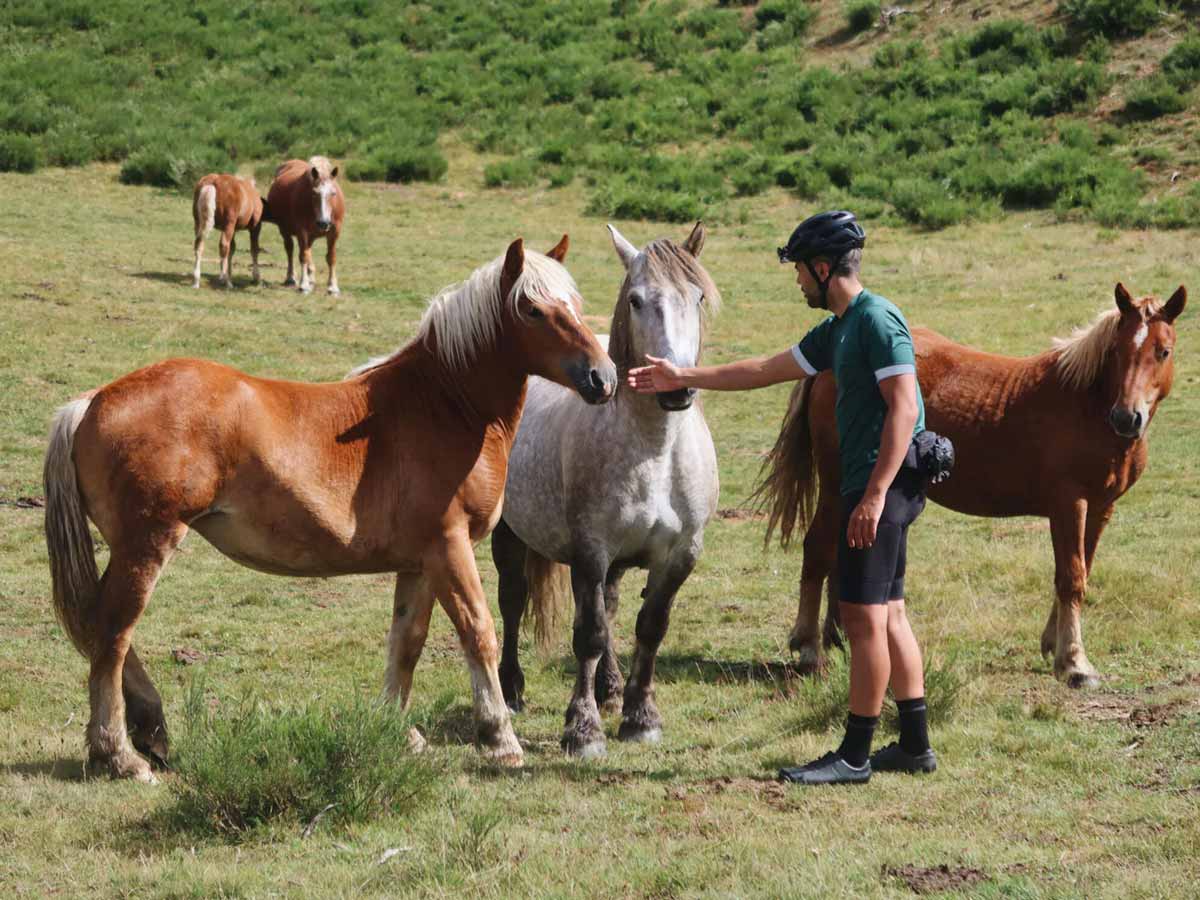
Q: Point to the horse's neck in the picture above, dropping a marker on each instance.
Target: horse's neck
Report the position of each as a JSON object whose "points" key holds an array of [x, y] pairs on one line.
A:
{"points": [[641, 413], [485, 396]]}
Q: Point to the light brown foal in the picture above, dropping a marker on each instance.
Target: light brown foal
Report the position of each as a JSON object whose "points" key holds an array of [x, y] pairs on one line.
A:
{"points": [[400, 467], [306, 202], [231, 204]]}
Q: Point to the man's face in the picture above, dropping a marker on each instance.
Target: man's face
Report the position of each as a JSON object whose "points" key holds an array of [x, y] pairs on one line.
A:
{"points": [[808, 285]]}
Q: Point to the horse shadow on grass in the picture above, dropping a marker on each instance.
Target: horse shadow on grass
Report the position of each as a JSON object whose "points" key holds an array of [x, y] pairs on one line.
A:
{"points": [[62, 768], [672, 668], [184, 279]]}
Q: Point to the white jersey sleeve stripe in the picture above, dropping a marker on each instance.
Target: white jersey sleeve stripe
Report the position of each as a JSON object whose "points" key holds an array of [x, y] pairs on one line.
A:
{"points": [[892, 371], [804, 363]]}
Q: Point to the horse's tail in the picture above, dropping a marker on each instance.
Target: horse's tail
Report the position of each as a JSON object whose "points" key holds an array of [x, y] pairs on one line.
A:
{"points": [[787, 480], [205, 210], [550, 593], [73, 572]]}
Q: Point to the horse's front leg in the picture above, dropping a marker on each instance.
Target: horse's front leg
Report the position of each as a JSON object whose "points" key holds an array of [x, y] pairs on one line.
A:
{"points": [[609, 683], [508, 553], [451, 571], [583, 734], [1067, 531], [331, 261], [1096, 521], [306, 269], [640, 719], [411, 609], [289, 246]]}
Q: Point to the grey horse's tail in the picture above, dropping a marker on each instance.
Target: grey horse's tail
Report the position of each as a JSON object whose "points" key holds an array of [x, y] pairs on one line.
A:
{"points": [[73, 572], [787, 482], [550, 593]]}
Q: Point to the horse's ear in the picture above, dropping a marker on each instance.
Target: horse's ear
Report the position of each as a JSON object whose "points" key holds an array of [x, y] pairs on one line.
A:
{"points": [[1173, 307], [1124, 301], [314, 174], [695, 242], [625, 250], [559, 251], [514, 264], [333, 172]]}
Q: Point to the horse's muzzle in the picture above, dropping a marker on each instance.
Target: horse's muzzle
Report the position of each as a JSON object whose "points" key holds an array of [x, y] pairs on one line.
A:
{"points": [[1127, 423], [676, 401], [323, 225], [596, 384]]}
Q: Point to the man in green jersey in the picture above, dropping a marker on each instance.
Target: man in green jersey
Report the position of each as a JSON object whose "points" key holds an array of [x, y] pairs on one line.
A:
{"points": [[867, 344]]}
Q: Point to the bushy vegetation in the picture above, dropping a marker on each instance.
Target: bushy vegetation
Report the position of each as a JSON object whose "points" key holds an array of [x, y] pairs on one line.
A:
{"points": [[670, 110], [861, 14], [242, 765]]}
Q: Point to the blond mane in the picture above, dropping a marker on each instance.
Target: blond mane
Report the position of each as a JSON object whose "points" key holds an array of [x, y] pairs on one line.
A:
{"points": [[1082, 353], [466, 317]]}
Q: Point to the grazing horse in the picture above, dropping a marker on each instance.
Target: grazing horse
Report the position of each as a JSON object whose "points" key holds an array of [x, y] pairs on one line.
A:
{"points": [[631, 485], [231, 204], [306, 203], [1061, 435], [398, 468]]}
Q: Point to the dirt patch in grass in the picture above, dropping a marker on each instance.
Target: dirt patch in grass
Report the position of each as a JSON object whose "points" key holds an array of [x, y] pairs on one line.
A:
{"points": [[923, 880], [1133, 708], [738, 514]]}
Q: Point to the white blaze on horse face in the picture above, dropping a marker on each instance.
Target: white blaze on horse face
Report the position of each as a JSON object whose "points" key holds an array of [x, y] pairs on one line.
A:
{"points": [[1140, 337], [668, 324], [324, 193]]}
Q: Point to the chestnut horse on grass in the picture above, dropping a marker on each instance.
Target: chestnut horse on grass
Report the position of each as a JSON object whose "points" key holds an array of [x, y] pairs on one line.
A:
{"points": [[306, 203], [232, 204], [398, 468], [1060, 435]]}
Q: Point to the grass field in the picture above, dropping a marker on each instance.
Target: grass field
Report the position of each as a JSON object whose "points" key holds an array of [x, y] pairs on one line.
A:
{"points": [[1043, 792]]}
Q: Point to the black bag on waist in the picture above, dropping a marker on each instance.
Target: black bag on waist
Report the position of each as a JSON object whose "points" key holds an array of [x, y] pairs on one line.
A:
{"points": [[932, 455]]}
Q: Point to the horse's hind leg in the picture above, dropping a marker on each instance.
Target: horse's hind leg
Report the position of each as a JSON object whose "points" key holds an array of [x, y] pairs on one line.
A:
{"points": [[456, 585], [609, 683], [255, 249], [411, 609], [820, 558], [508, 553], [583, 733], [640, 718], [124, 591], [143, 711], [198, 247], [227, 257]]}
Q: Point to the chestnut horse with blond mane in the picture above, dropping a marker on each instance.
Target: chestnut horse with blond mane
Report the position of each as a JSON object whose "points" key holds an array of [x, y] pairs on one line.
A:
{"points": [[1061, 435], [231, 204], [398, 468], [306, 202]]}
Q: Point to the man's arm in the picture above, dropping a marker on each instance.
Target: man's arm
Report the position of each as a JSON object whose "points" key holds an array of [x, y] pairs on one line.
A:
{"points": [[746, 374], [900, 395]]}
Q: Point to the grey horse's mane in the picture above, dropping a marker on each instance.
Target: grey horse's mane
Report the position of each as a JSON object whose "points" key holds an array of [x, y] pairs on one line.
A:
{"points": [[663, 260]]}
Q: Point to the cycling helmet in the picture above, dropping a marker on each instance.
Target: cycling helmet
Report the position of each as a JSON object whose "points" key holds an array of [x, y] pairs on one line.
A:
{"points": [[829, 234]]}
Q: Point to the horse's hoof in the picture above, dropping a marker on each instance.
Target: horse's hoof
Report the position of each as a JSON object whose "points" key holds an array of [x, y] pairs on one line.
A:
{"points": [[592, 749], [809, 660], [127, 765], [639, 734], [335, 292], [290, 282], [1082, 680], [612, 705]]}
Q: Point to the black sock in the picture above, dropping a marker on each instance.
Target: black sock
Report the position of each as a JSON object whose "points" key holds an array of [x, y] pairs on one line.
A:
{"points": [[914, 726], [856, 745]]}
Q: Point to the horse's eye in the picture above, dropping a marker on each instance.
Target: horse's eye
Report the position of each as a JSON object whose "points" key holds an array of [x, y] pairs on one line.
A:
{"points": [[1162, 353], [635, 301], [535, 312]]}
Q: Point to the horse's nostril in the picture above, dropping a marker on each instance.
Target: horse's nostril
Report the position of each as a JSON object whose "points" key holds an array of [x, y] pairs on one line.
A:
{"points": [[596, 380]]}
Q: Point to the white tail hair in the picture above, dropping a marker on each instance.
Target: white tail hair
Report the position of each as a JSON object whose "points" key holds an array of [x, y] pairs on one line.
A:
{"points": [[73, 571], [205, 212]]}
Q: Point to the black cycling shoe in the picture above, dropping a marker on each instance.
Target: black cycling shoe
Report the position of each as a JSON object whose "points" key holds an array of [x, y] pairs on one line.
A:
{"points": [[894, 758], [829, 769]]}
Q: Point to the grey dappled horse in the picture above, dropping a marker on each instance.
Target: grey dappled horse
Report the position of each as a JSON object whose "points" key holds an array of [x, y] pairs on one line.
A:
{"points": [[609, 488]]}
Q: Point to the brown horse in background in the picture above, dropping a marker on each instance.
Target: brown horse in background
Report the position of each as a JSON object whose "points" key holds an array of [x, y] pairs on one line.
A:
{"points": [[232, 204], [1060, 435], [399, 468], [306, 203]]}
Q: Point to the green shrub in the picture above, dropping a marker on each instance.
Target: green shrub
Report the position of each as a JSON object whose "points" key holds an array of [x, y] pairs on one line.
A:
{"points": [[1153, 97], [401, 164], [1182, 64], [519, 172], [241, 766], [1114, 18], [861, 14], [18, 153], [922, 202], [168, 169]]}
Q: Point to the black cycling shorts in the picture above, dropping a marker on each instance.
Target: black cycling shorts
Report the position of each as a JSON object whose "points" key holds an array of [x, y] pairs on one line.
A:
{"points": [[876, 574]]}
